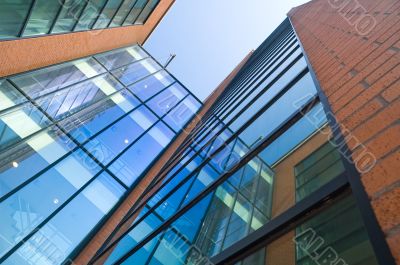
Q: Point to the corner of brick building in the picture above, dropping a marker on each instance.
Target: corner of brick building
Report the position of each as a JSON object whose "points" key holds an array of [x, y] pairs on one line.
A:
{"points": [[359, 72]]}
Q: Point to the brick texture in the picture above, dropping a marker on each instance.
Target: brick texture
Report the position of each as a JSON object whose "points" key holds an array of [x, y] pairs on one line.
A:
{"points": [[354, 49], [26, 54]]}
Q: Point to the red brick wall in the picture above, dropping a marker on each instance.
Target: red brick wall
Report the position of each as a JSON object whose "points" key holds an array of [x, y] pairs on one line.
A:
{"points": [[356, 57]]}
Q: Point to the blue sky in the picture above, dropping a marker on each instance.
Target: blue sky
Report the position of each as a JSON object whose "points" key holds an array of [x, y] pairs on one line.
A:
{"points": [[210, 37]]}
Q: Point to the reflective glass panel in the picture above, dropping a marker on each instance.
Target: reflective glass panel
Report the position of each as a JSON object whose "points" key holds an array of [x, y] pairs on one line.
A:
{"points": [[12, 17], [42, 17]]}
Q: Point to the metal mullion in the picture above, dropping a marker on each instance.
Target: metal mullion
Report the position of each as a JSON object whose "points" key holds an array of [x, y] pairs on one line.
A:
{"points": [[267, 71], [159, 92], [107, 72], [266, 64], [139, 137], [46, 220], [287, 38], [56, 123], [99, 15], [283, 91], [130, 10], [176, 79], [22, 30], [295, 117], [163, 220], [125, 219], [141, 11], [80, 15], [62, 3], [116, 12], [255, 98], [313, 177], [300, 212], [245, 91], [266, 60], [260, 69], [252, 101], [318, 160], [151, 12], [120, 82], [19, 187], [249, 156]]}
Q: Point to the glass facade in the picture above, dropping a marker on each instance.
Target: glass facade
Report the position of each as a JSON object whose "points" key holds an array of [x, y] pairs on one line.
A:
{"points": [[75, 138], [25, 18], [263, 148]]}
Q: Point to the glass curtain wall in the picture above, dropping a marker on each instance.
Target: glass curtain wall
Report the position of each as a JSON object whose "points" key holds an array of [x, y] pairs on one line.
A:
{"points": [[224, 182], [25, 18], [74, 138]]}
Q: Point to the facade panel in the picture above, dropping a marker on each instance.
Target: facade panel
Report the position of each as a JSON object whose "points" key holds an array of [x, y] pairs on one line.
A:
{"points": [[262, 151], [75, 139], [39, 17]]}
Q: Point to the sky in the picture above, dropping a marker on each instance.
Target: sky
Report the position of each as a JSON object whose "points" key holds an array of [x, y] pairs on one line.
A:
{"points": [[210, 37]]}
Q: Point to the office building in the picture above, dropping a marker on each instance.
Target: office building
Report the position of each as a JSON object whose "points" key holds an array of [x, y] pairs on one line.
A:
{"points": [[293, 160]]}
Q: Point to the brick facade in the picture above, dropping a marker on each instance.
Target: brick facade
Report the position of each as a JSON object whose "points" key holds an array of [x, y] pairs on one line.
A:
{"points": [[354, 49]]}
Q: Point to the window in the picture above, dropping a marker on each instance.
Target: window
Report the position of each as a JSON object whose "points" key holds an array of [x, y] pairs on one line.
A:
{"points": [[317, 169], [12, 17], [42, 17]]}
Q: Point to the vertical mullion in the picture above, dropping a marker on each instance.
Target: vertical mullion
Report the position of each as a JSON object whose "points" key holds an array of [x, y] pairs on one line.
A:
{"points": [[127, 15], [116, 12], [80, 15], [62, 2], [141, 11], [100, 13], [28, 16], [151, 12]]}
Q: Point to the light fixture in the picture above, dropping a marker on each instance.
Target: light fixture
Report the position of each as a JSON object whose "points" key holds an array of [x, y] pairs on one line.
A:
{"points": [[126, 141], [145, 86], [15, 164], [56, 201]]}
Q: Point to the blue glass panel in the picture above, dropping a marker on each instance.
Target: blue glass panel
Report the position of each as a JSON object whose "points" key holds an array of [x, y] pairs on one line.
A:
{"points": [[68, 16], [12, 17], [42, 17], [151, 85], [28, 158], [90, 121], [20, 122], [134, 72], [117, 138], [137, 158], [280, 111], [61, 235], [206, 176], [77, 97], [311, 122], [134, 13], [150, 223], [121, 57], [50, 79], [24, 210], [89, 15], [182, 113], [9, 96], [146, 11], [168, 99], [107, 14], [122, 12]]}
